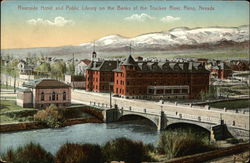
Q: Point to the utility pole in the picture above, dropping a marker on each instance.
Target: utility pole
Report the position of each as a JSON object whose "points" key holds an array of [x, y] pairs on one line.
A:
{"points": [[73, 63], [110, 95]]}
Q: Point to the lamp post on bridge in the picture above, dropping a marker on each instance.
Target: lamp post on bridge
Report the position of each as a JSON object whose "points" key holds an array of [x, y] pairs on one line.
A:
{"points": [[110, 94]]}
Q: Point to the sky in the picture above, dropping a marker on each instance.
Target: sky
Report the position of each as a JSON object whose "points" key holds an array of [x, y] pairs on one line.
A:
{"points": [[36, 23]]}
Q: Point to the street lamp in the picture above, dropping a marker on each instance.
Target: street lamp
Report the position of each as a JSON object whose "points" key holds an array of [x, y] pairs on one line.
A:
{"points": [[110, 94]]}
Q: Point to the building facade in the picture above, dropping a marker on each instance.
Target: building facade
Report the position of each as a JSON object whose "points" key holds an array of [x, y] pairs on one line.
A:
{"points": [[160, 80], [221, 71], [45, 92], [148, 79], [100, 75]]}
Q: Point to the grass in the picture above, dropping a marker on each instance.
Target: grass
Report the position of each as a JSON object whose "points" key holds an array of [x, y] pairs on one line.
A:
{"points": [[177, 143], [10, 112], [232, 104], [10, 105], [3, 86]]}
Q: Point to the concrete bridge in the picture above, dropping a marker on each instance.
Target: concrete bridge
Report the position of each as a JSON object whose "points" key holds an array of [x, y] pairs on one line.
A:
{"points": [[162, 119]]}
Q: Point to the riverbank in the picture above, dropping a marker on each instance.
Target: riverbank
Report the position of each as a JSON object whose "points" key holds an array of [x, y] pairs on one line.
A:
{"points": [[22, 126], [205, 157], [72, 115]]}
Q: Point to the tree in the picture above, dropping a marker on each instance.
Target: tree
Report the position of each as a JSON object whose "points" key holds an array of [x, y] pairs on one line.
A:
{"points": [[43, 69], [51, 116], [70, 69], [58, 69]]}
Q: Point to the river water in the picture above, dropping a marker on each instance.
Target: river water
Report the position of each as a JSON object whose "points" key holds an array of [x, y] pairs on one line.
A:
{"points": [[97, 133]]}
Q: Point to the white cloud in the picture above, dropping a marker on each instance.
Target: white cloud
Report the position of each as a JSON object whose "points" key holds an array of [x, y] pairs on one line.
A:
{"points": [[139, 17], [58, 21], [168, 19]]}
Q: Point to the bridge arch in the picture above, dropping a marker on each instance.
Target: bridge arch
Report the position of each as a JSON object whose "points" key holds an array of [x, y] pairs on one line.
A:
{"points": [[145, 120], [192, 127]]}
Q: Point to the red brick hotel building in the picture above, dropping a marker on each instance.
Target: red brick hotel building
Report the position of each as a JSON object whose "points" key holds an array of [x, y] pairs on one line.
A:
{"points": [[147, 79]]}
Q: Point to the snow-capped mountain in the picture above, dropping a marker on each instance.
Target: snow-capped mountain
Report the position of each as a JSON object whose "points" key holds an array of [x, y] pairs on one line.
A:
{"points": [[175, 38], [181, 38]]}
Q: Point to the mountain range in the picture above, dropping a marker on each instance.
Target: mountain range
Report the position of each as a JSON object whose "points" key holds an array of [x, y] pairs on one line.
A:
{"points": [[181, 38]]}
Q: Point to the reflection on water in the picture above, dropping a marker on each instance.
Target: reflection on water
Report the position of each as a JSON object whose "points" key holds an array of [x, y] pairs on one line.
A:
{"points": [[52, 139]]}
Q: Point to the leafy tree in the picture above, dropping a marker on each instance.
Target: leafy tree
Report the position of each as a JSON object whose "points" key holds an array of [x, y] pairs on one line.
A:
{"points": [[58, 69], [51, 116], [70, 69], [43, 69]]}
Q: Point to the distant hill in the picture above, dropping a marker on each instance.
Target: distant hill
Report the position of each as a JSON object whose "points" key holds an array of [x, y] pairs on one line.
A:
{"points": [[177, 39]]}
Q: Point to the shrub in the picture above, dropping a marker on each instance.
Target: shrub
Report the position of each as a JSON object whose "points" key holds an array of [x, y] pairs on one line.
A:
{"points": [[177, 143], [51, 116], [79, 153], [30, 153], [123, 149]]}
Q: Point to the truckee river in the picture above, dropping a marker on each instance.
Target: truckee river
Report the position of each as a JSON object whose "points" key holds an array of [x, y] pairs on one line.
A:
{"points": [[96, 133]]}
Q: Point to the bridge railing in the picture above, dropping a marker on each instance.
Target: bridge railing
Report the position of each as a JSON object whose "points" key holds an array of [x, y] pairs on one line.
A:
{"points": [[99, 105], [172, 114], [206, 107]]}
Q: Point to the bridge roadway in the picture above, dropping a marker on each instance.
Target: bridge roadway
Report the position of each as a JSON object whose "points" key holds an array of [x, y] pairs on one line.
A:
{"points": [[233, 119]]}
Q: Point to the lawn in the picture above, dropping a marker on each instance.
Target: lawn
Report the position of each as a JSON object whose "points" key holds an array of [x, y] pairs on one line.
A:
{"points": [[6, 87], [10, 112], [10, 105], [232, 104]]}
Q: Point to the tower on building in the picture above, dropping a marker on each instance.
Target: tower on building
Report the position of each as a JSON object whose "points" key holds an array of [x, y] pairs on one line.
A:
{"points": [[94, 55]]}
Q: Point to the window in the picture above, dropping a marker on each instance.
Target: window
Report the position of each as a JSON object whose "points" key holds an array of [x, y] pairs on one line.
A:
{"points": [[57, 97], [64, 95], [53, 96], [42, 96]]}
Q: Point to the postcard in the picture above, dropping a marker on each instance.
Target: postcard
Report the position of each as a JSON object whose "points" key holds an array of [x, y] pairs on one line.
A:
{"points": [[91, 81]]}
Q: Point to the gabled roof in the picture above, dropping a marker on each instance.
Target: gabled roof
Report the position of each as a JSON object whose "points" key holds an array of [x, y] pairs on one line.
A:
{"points": [[86, 61], [45, 84], [129, 61], [105, 65]]}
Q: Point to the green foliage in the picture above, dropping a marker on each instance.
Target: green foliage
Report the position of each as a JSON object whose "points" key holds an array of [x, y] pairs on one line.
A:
{"points": [[236, 104], [30, 153], [79, 153], [51, 116], [10, 69], [123, 149], [70, 69], [58, 69], [44, 67], [177, 143], [210, 94]]}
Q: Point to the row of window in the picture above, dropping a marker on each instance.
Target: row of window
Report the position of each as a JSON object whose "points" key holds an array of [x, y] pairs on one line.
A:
{"points": [[168, 91], [53, 97]]}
